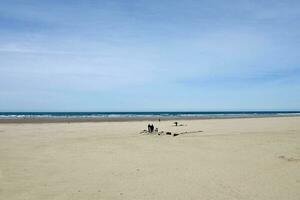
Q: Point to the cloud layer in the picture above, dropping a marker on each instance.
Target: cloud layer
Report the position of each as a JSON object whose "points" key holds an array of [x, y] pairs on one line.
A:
{"points": [[149, 55]]}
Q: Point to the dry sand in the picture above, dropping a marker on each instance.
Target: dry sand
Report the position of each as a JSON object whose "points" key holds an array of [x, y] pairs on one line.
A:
{"points": [[254, 158]]}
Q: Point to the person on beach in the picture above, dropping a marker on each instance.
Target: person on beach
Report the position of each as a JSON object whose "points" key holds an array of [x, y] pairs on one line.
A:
{"points": [[150, 128]]}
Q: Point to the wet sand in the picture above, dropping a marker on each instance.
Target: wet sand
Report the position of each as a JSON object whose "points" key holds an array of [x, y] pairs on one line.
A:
{"points": [[245, 158], [39, 120]]}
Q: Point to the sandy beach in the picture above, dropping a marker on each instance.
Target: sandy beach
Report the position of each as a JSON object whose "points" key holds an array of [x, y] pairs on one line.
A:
{"points": [[247, 158]]}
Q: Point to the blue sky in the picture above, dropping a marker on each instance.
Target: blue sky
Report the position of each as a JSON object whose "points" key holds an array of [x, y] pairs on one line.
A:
{"points": [[140, 55]]}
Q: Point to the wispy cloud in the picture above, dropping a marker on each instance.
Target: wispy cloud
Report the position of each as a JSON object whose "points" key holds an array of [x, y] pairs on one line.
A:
{"points": [[144, 52]]}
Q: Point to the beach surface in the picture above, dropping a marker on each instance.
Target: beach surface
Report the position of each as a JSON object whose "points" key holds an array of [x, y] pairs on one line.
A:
{"points": [[245, 158]]}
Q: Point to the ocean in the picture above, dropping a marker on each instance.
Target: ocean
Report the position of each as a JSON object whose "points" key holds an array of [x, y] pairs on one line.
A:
{"points": [[214, 114]]}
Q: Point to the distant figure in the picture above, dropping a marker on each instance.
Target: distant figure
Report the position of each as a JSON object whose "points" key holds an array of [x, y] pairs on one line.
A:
{"points": [[176, 123], [150, 128], [159, 119]]}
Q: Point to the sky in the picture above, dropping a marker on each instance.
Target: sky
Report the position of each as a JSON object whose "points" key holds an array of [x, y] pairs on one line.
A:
{"points": [[158, 55]]}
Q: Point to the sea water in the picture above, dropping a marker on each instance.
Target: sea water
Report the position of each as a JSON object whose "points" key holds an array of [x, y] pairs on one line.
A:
{"points": [[212, 114]]}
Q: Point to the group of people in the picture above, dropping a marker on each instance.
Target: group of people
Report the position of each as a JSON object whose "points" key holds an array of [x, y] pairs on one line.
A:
{"points": [[150, 128]]}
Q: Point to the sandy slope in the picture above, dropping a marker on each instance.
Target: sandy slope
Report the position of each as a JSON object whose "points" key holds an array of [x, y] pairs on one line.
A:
{"points": [[231, 159]]}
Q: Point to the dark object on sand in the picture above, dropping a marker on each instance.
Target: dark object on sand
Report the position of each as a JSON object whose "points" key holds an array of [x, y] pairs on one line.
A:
{"points": [[168, 133], [156, 130], [160, 133], [176, 123], [143, 131], [175, 134]]}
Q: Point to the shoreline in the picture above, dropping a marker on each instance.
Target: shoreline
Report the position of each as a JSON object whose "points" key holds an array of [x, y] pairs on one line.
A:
{"points": [[39, 120]]}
